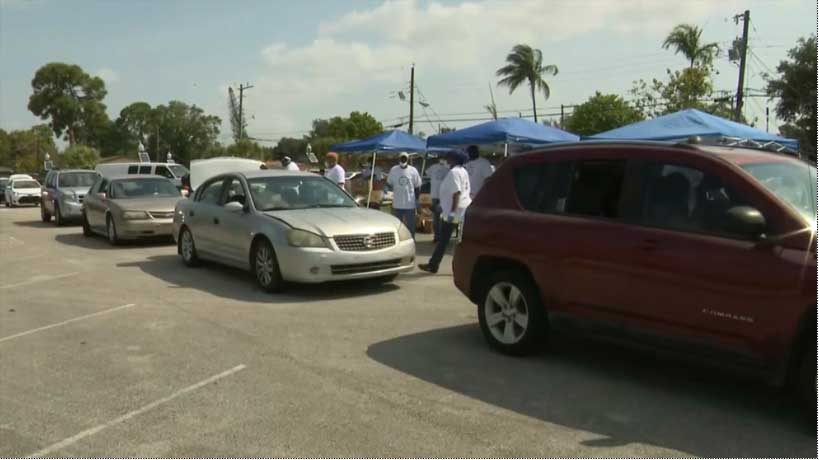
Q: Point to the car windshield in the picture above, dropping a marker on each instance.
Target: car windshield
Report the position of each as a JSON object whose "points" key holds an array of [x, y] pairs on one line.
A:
{"points": [[794, 183], [24, 184], [301, 192], [142, 188], [77, 179], [178, 170]]}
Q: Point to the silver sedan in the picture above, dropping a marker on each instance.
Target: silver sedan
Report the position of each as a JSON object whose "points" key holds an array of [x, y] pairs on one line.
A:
{"points": [[289, 226]]}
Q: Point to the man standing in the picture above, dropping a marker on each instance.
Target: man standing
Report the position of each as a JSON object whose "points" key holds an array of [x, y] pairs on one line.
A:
{"points": [[436, 173], [454, 195], [289, 164], [404, 179], [479, 169], [333, 170]]}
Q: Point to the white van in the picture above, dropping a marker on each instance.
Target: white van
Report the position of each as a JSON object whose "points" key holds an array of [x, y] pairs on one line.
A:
{"points": [[202, 170], [172, 171]]}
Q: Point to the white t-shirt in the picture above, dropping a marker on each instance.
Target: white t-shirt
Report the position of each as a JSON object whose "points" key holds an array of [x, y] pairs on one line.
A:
{"points": [[403, 182], [456, 181], [479, 170], [336, 174], [436, 174], [292, 166]]}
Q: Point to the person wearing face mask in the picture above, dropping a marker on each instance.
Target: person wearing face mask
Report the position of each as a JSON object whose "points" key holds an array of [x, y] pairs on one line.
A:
{"points": [[404, 180], [289, 164], [454, 195], [478, 168], [436, 173], [333, 170]]}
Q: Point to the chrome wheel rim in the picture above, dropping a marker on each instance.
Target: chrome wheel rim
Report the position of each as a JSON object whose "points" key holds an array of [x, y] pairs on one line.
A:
{"points": [[187, 245], [506, 313], [264, 265]]}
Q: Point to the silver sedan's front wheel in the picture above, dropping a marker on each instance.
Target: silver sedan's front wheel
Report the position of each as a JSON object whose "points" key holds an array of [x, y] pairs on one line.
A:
{"points": [[266, 267], [511, 314], [187, 248]]}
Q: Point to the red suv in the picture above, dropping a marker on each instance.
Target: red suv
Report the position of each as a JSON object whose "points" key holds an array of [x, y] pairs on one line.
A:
{"points": [[706, 251]]}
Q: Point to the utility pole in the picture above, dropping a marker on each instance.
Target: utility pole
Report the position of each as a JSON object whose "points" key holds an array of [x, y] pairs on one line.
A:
{"points": [[241, 112], [767, 119], [412, 95], [561, 116], [746, 19]]}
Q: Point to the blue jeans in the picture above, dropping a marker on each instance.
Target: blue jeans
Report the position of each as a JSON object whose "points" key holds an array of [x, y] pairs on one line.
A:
{"points": [[436, 219], [407, 216], [440, 247]]}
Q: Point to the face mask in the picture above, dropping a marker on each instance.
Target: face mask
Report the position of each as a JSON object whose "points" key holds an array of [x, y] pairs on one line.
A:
{"points": [[403, 164]]}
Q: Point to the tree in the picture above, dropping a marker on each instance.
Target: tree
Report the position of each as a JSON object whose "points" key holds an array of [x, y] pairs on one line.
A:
{"points": [[690, 88], [685, 39], [72, 101], [525, 63], [185, 131], [238, 123], [601, 112], [288, 146], [795, 88], [78, 156], [246, 148], [492, 108], [136, 120], [357, 126], [25, 150]]}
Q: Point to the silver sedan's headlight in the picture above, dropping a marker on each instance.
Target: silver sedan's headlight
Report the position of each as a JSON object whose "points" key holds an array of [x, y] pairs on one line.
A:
{"points": [[304, 239], [135, 215], [404, 233]]}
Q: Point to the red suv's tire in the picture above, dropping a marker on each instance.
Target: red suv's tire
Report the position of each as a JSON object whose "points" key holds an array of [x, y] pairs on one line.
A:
{"points": [[512, 317]]}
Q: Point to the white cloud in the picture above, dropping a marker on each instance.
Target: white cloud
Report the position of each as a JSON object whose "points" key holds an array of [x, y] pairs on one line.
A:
{"points": [[355, 61], [108, 75]]}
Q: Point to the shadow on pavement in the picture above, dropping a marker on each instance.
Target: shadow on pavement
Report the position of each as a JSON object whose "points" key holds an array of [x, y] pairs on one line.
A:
{"points": [[99, 242], [38, 224], [235, 284], [623, 395]]}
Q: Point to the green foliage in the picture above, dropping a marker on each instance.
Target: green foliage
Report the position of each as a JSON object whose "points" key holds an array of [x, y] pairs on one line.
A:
{"points": [[246, 148], [136, 120], [686, 39], [72, 101], [601, 112], [183, 130], [357, 126], [294, 148], [525, 64], [79, 157], [25, 150], [690, 88], [795, 88]]}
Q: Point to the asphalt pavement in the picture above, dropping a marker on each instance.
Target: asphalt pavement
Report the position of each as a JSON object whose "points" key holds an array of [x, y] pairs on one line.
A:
{"points": [[124, 352]]}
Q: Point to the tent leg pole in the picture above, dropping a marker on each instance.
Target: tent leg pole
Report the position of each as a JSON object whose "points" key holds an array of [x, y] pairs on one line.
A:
{"points": [[424, 164], [372, 174], [505, 151]]}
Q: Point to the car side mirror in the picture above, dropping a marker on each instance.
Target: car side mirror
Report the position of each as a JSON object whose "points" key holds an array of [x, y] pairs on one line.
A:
{"points": [[234, 207], [101, 195], [745, 221]]}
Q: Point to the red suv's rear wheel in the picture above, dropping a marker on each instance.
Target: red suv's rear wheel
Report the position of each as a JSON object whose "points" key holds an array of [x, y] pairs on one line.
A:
{"points": [[511, 314]]}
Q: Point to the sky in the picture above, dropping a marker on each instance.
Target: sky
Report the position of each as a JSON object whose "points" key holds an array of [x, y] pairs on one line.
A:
{"points": [[321, 58]]}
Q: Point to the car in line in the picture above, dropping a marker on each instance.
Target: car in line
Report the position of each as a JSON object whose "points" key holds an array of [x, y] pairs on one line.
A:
{"points": [[705, 252], [22, 190], [129, 207], [287, 226], [172, 171], [63, 192]]}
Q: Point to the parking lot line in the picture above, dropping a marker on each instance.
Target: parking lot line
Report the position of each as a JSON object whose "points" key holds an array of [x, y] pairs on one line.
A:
{"points": [[92, 431], [39, 278], [79, 318]]}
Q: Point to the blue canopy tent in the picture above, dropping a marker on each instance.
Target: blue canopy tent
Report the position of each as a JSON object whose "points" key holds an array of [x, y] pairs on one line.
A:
{"points": [[503, 131], [388, 141], [684, 124]]}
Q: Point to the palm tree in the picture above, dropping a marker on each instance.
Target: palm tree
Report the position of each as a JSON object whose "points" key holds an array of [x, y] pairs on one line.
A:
{"points": [[685, 39], [525, 63]]}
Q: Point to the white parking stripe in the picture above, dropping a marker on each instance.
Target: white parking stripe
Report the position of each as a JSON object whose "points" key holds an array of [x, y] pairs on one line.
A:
{"points": [[92, 431], [79, 318], [38, 279]]}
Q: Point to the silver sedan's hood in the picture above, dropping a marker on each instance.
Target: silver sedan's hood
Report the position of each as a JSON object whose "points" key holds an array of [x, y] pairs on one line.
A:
{"points": [[338, 221], [163, 204]]}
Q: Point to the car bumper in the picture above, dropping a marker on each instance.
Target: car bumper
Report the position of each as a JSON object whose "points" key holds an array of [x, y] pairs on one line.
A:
{"points": [[24, 200], [71, 209], [314, 265], [145, 228]]}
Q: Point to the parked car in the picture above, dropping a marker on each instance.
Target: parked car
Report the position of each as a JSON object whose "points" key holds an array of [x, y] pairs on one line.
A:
{"points": [[22, 191], [63, 192], [172, 171], [705, 251], [131, 207], [289, 226], [3, 184]]}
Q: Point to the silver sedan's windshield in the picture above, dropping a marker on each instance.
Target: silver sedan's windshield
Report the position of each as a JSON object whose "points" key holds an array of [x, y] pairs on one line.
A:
{"points": [[794, 183], [297, 192], [143, 188]]}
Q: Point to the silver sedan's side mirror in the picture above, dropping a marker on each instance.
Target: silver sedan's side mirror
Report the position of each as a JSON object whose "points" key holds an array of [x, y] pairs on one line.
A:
{"points": [[234, 207]]}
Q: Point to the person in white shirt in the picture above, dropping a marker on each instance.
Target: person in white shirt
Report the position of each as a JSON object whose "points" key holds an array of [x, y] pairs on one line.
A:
{"points": [[455, 198], [436, 173], [479, 169], [334, 171], [289, 164], [404, 180]]}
